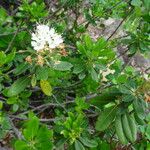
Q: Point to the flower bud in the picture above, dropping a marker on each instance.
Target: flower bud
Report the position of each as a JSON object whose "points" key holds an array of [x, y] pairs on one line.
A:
{"points": [[40, 60], [29, 59], [63, 52]]}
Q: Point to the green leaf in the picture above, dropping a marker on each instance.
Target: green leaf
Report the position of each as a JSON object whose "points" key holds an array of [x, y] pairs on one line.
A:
{"points": [[15, 107], [33, 80], [124, 89], [88, 42], [1, 105], [21, 68], [105, 118], [60, 143], [31, 129], [139, 108], [82, 75], [43, 137], [139, 120], [78, 69], [136, 2], [46, 87], [11, 100], [101, 44], [146, 4], [94, 74], [122, 78], [6, 58], [2, 58], [148, 131], [62, 66], [79, 146], [10, 57], [128, 98], [21, 145], [81, 104], [5, 123], [81, 48], [89, 17], [42, 73], [18, 86], [88, 143], [105, 98], [104, 146], [39, 136], [3, 14]]}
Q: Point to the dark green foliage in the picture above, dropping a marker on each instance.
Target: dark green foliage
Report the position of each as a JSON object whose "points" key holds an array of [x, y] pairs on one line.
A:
{"points": [[82, 94]]}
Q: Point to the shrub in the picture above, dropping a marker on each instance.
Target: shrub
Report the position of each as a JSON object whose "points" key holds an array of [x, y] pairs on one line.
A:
{"points": [[62, 88]]}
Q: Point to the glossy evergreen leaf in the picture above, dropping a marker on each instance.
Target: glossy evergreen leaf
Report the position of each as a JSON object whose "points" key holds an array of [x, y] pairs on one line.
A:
{"points": [[128, 98], [33, 80], [1, 105], [81, 48], [2, 58], [42, 73], [21, 145], [88, 142], [78, 69], [21, 68], [18, 86], [88, 42], [105, 98], [105, 118], [44, 135], [78, 145], [94, 75], [136, 2], [62, 66], [10, 57], [31, 129]]}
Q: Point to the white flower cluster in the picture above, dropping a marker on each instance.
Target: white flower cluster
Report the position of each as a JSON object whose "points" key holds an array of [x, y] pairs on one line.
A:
{"points": [[45, 37]]}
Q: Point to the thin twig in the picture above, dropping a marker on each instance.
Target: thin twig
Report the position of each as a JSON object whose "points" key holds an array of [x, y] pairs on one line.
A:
{"points": [[106, 11], [5, 34], [147, 69], [59, 102], [93, 95], [27, 119], [12, 40], [120, 55], [46, 105], [16, 131], [119, 26], [124, 66]]}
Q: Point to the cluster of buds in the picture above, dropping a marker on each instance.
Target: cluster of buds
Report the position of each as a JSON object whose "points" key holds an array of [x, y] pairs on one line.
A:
{"points": [[39, 60], [29, 59], [63, 52], [147, 97]]}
